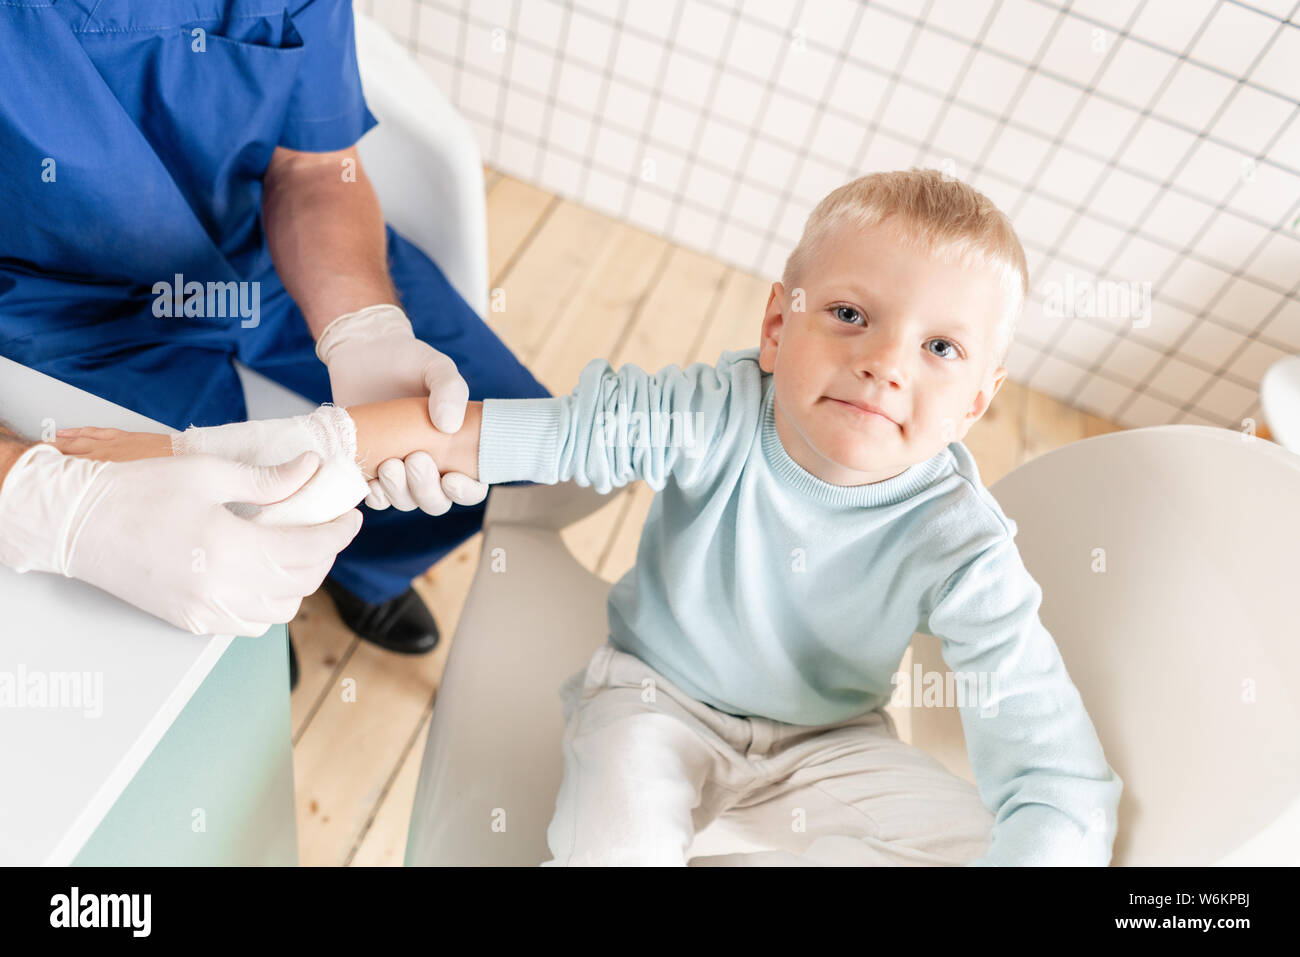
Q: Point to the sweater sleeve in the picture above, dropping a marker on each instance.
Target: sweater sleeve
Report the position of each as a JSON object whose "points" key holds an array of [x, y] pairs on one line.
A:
{"points": [[620, 426], [1037, 760]]}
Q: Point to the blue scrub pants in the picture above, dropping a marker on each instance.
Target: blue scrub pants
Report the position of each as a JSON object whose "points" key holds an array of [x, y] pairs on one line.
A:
{"points": [[179, 372]]}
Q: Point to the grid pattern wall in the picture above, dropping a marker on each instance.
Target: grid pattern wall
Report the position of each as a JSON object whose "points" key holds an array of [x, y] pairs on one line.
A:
{"points": [[1148, 152]]}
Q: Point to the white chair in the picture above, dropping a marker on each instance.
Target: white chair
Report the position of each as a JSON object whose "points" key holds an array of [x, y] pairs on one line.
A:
{"points": [[1186, 649], [425, 165], [1279, 395], [1183, 650]]}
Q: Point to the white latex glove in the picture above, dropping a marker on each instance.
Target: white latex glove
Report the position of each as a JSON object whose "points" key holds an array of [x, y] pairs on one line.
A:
{"points": [[373, 355], [157, 534]]}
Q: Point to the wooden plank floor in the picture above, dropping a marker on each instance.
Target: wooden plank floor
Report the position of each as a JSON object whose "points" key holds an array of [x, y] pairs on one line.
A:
{"points": [[578, 285]]}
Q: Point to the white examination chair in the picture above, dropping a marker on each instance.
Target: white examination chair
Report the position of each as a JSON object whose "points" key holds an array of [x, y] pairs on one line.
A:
{"points": [[425, 165], [1279, 395], [1186, 651]]}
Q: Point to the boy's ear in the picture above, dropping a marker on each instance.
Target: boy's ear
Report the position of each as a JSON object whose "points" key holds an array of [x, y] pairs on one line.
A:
{"points": [[773, 320], [983, 399], [999, 377]]}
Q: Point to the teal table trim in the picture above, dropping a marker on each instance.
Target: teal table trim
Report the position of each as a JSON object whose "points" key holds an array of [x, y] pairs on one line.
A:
{"points": [[218, 788]]}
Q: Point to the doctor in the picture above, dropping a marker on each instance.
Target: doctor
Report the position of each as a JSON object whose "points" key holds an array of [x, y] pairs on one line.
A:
{"points": [[181, 189]]}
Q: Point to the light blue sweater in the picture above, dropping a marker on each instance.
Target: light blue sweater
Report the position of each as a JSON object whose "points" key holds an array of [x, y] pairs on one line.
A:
{"points": [[762, 590]]}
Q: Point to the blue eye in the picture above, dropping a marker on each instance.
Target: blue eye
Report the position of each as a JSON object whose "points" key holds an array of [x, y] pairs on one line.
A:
{"points": [[841, 312], [948, 344]]}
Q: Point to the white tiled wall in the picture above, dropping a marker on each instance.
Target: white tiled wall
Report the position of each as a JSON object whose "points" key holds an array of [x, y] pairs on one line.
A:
{"points": [[1131, 141]]}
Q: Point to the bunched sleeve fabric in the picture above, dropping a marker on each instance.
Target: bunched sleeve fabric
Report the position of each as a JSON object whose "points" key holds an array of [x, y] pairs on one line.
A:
{"points": [[1037, 760], [327, 110], [620, 426]]}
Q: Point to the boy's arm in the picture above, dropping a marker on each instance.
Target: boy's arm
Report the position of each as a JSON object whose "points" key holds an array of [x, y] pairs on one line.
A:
{"points": [[383, 430], [614, 428], [620, 426], [398, 427], [1037, 759]]}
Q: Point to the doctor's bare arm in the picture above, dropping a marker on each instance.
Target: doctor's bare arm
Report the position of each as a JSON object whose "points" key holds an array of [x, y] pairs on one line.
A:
{"points": [[11, 449], [325, 232]]}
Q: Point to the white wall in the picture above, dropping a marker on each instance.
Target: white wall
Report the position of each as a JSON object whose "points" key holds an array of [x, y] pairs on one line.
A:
{"points": [[1131, 141]]}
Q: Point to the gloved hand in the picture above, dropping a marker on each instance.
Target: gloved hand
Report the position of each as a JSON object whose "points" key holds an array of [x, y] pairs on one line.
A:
{"points": [[373, 355], [157, 534]]}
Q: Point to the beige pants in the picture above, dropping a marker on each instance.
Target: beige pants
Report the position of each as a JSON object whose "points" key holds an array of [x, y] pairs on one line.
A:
{"points": [[647, 767]]}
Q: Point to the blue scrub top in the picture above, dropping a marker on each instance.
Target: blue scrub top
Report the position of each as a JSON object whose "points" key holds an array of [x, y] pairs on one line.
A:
{"points": [[135, 134]]}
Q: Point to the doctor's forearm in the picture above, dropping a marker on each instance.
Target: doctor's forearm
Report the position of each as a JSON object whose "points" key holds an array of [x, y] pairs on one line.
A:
{"points": [[325, 232], [11, 450]]}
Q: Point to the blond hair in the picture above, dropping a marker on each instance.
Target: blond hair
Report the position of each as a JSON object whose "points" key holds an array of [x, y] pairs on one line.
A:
{"points": [[937, 214]]}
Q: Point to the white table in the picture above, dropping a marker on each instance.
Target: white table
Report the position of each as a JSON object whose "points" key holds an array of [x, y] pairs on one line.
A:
{"points": [[190, 760]]}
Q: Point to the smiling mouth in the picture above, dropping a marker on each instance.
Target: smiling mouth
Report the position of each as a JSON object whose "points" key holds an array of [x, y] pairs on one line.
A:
{"points": [[861, 412]]}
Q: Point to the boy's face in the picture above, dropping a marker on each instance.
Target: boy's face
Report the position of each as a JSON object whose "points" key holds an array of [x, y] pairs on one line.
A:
{"points": [[886, 326]]}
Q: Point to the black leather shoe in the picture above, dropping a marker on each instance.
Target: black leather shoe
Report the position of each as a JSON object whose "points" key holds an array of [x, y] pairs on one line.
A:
{"points": [[293, 666], [402, 624]]}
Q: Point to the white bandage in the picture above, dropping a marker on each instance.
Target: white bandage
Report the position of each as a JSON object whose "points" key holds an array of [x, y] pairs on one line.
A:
{"points": [[337, 486], [329, 431]]}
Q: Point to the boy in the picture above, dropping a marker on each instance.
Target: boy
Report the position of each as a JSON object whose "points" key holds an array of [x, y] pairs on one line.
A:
{"points": [[815, 507]]}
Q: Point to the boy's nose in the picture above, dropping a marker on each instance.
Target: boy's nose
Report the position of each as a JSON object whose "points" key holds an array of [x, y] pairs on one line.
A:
{"points": [[882, 360]]}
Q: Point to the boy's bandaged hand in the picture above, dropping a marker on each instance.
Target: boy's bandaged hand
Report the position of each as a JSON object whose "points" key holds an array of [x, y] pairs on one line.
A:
{"points": [[337, 487]]}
